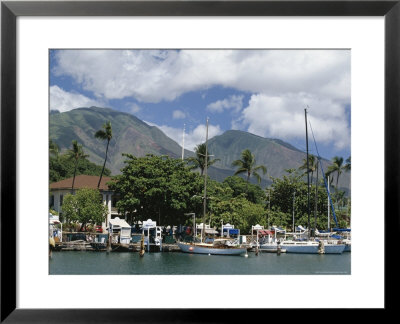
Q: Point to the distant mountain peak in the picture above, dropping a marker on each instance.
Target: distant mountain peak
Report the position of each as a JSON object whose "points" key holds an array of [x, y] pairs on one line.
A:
{"points": [[134, 136]]}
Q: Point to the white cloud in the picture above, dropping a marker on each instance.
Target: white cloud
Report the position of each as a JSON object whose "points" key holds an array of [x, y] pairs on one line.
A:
{"points": [[178, 114], [232, 102], [64, 101], [283, 117], [192, 137], [153, 76], [134, 108], [282, 83]]}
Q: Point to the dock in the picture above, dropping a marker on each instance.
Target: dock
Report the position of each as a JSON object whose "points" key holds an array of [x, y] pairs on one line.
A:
{"points": [[81, 245]]}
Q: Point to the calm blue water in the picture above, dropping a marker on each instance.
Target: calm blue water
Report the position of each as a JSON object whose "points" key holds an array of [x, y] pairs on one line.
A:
{"points": [[177, 263]]}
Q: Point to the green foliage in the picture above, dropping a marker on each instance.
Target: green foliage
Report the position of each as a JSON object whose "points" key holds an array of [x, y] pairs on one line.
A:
{"points": [[239, 186], [278, 218], [53, 148], [338, 167], [238, 211], [129, 135], [248, 166], [312, 166], [199, 161], [85, 207], [105, 135], [157, 187], [282, 192], [62, 167]]}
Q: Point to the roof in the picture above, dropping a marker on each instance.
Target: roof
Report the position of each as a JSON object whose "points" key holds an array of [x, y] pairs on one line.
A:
{"points": [[81, 181], [119, 222], [265, 232]]}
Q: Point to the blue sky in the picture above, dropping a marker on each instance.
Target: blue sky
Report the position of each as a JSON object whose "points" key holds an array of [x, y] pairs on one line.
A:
{"points": [[263, 92]]}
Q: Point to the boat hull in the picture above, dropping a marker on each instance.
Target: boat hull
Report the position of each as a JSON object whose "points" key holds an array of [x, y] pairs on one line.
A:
{"points": [[201, 249], [334, 248], [293, 247], [308, 248], [299, 248]]}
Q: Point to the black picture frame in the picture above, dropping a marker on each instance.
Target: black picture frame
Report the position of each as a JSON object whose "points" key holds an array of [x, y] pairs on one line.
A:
{"points": [[10, 10]]}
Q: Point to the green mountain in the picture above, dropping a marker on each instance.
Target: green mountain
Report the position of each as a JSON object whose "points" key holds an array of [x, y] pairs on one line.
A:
{"points": [[131, 135], [275, 154]]}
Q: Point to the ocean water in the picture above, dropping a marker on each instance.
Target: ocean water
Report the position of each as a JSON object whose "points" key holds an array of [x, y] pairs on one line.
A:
{"points": [[177, 263]]}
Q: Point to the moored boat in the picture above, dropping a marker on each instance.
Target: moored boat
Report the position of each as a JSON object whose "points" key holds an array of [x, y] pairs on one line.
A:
{"points": [[291, 246], [309, 247], [332, 246], [218, 247]]}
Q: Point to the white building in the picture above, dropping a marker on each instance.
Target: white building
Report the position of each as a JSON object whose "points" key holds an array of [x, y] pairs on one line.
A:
{"points": [[59, 189]]}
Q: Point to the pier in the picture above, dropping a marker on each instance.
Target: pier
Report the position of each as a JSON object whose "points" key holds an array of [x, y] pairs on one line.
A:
{"points": [[81, 245]]}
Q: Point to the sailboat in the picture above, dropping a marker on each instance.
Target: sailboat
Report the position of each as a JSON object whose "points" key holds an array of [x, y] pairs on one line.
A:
{"points": [[218, 246], [331, 240], [308, 246]]}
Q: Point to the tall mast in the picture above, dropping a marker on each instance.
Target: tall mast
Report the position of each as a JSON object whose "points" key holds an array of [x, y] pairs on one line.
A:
{"points": [[205, 185], [308, 176], [329, 220], [316, 199], [183, 142], [294, 197]]}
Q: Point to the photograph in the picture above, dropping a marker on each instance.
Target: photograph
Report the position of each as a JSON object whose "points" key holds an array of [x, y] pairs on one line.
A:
{"points": [[194, 159], [176, 161]]}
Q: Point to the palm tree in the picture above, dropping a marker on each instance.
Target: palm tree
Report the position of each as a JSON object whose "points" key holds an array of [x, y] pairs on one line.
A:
{"points": [[53, 148], [76, 153], [337, 166], [199, 161], [105, 134], [248, 165], [312, 165], [347, 166]]}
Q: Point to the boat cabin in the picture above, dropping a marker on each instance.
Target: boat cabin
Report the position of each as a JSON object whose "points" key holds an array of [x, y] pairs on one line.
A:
{"points": [[55, 228], [208, 231], [152, 234], [121, 228], [228, 230]]}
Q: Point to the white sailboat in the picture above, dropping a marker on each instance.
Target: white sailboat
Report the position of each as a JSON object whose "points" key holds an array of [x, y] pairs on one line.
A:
{"points": [[218, 246], [308, 245]]}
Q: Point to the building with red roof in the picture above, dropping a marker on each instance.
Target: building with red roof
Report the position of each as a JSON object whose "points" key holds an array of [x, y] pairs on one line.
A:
{"points": [[59, 189]]}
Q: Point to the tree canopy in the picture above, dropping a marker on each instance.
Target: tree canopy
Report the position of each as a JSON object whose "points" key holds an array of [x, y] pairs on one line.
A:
{"points": [[199, 161], [62, 167], [248, 166], [84, 207], [240, 186], [157, 187], [104, 134]]}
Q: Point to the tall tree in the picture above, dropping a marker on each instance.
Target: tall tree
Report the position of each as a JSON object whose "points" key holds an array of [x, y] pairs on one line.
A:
{"points": [[336, 167], [76, 153], [157, 186], [53, 148], [248, 165], [347, 166], [104, 134], [199, 161], [85, 207], [312, 165]]}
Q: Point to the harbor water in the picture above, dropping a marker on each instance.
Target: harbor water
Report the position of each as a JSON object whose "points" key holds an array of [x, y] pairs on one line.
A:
{"points": [[177, 263]]}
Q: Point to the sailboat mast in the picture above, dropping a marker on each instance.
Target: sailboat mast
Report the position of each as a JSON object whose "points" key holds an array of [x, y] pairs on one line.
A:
{"points": [[316, 199], [205, 185], [329, 220], [308, 176]]}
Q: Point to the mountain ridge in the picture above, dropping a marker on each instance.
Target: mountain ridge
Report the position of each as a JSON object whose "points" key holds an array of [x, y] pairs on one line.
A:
{"points": [[132, 135]]}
